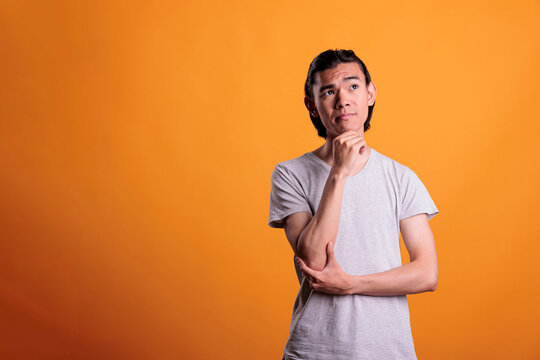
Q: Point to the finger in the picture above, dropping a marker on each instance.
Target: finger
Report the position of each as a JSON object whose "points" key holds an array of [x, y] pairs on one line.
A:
{"points": [[357, 139], [358, 143], [312, 279], [363, 148], [342, 139], [352, 140], [304, 267], [348, 134], [308, 278]]}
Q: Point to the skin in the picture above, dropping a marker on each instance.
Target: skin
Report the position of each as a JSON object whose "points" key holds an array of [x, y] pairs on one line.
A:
{"points": [[419, 275], [337, 91], [346, 151]]}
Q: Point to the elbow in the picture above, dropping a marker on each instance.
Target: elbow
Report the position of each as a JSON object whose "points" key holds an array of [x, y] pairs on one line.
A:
{"points": [[433, 283], [313, 258], [310, 259], [430, 274], [312, 262], [315, 265]]}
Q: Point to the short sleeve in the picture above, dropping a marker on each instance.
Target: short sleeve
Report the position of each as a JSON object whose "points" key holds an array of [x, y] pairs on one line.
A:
{"points": [[286, 197], [415, 198]]}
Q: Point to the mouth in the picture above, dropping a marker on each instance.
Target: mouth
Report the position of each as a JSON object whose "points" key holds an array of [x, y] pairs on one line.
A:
{"points": [[345, 116]]}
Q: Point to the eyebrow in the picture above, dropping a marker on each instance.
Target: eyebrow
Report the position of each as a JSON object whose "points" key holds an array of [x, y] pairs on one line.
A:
{"points": [[331, 86]]}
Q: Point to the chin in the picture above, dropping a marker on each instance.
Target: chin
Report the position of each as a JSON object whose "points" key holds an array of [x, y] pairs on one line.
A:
{"points": [[342, 129]]}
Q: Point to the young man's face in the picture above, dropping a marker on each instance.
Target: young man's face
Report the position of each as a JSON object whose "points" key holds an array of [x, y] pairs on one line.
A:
{"points": [[341, 98]]}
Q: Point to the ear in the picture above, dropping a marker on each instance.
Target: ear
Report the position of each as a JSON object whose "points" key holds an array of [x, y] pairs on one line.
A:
{"points": [[310, 105], [372, 93]]}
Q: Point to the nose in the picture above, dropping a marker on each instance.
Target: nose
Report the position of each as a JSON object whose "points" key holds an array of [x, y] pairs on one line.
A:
{"points": [[342, 100]]}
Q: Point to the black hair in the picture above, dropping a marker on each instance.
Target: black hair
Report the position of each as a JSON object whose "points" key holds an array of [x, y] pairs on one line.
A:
{"points": [[330, 59]]}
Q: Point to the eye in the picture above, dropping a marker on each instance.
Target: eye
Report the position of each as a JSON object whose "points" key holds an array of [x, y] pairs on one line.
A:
{"points": [[329, 92], [354, 86]]}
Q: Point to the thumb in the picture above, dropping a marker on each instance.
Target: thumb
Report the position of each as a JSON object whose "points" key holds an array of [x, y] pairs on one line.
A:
{"points": [[362, 150], [303, 266]]}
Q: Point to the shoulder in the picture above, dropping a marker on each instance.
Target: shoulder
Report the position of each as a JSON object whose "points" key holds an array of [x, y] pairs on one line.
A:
{"points": [[298, 166], [393, 167]]}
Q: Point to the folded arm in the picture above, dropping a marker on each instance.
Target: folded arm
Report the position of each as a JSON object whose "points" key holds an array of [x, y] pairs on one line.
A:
{"points": [[309, 235], [419, 275]]}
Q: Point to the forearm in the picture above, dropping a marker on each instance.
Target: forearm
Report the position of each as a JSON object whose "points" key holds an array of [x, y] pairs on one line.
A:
{"points": [[410, 278], [323, 227]]}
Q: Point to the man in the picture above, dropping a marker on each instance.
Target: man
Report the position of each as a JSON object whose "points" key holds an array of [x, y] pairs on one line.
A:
{"points": [[342, 207]]}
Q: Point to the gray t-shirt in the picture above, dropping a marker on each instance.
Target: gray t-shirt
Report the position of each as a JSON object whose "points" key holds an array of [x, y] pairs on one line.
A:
{"points": [[346, 327]]}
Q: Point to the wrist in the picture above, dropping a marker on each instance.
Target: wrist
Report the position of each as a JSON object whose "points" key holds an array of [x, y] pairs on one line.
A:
{"points": [[355, 284], [337, 175]]}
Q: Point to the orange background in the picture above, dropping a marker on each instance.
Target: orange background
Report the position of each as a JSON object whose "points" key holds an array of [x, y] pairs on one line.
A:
{"points": [[137, 141]]}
